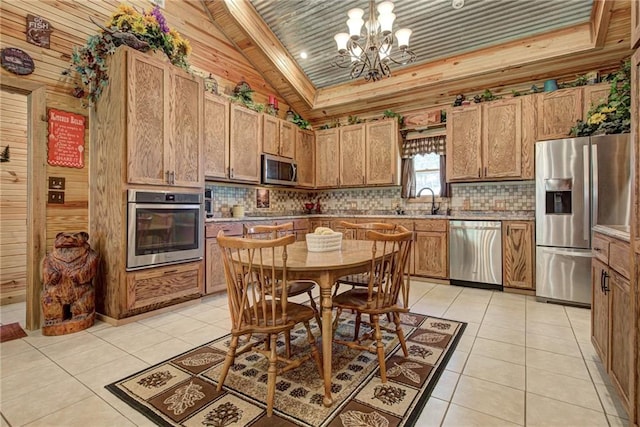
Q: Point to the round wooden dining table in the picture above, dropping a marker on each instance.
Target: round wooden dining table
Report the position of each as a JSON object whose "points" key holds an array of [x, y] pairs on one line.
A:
{"points": [[325, 268]]}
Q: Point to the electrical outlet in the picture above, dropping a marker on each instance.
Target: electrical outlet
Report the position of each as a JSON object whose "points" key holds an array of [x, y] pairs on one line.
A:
{"points": [[466, 204], [56, 183], [499, 205], [56, 197], [352, 204]]}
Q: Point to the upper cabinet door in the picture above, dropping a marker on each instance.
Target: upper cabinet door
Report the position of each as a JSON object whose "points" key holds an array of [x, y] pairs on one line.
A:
{"points": [[558, 112], [352, 155], [147, 120], [635, 24], [327, 158], [246, 140], [382, 152], [463, 143], [635, 142], [502, 139], [287, 139], [594, 95], [270, 135], [305, 158], [216, 136], [186, 130]]}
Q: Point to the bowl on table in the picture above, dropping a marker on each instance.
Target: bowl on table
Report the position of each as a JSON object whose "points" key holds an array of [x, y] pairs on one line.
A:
{"points": [[324, 242]]}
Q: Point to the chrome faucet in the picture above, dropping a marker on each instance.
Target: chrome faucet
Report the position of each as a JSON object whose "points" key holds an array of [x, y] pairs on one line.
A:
{"points": [[434, 208]]}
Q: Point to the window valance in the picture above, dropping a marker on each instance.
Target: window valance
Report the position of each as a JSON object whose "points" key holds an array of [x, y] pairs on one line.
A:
{"points": [[424, 145]]}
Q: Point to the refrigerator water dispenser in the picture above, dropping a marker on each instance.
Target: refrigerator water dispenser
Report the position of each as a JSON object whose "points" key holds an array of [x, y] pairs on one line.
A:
{"points": [[558, 196]]}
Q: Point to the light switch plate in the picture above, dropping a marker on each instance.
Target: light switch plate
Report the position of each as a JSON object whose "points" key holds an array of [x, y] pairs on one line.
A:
{"points": [[56, 183], [56, 197]]}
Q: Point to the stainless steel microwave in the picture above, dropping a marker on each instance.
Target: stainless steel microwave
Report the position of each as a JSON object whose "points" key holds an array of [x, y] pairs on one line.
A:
{"points": [[279, 170]]}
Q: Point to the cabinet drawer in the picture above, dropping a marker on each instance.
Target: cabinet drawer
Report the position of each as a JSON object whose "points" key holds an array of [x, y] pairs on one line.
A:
{"points": [[159, 285], [431, 225], [229, 228], [301, 224], [619, 254], [601, 248]]}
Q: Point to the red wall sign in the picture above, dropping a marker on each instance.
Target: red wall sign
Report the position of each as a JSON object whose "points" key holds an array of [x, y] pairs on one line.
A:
{"points": [[66, 139]]}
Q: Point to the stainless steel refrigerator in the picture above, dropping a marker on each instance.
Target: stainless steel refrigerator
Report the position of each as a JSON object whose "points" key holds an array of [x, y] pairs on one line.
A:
{"points": [[579, 182]]}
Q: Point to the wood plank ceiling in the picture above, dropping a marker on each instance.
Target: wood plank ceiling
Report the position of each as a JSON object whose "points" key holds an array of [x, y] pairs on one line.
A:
{"points": [[495, 44]]}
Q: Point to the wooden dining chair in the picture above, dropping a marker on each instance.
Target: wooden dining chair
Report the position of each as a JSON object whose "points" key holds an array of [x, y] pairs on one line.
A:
{"points": [[295, 287], [360, 279], [388, 281], [249, 266]]}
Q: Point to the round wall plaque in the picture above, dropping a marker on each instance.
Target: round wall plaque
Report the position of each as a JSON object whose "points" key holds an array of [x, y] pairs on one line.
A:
{"points": [[16, 61]]}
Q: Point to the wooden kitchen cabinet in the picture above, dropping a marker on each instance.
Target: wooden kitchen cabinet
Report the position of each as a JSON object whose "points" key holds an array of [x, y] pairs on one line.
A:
{"points": [[382, 158], [245, 144], [558, 112], [488, 142], [502, 139], [352, 155], [278, 136], [594, 95], [518, 254], [613, 309], [327, 158], [306, 158], [431, 248], [216, 136], [215, 280], [464, 136], [164, 122], [155, 286], [599, 311]]}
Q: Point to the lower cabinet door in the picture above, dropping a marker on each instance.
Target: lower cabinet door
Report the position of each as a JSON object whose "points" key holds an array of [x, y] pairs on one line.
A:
{"points": [[215, 280], [599, 311], [622, 327], [431, 254]]}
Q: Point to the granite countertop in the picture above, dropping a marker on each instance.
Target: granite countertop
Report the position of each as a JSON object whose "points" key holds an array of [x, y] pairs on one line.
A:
{"points": [[620, 232], [467, 215]]}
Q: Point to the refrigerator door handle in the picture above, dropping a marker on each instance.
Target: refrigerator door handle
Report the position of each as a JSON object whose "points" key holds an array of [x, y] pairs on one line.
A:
{"points": [[560, 251], [585, 193]]}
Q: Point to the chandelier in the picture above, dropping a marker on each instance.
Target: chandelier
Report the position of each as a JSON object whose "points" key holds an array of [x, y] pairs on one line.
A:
{"points": [[369, 55]]}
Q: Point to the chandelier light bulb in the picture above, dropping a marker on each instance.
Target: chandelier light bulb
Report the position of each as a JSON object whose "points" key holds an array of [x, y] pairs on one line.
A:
{"points": [[457, 4], [385, 8], [402, 35], [386, 22], [341, 40], [355, 24]]}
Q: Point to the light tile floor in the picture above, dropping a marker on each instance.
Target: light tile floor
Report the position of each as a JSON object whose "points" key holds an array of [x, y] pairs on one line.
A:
{"points": [[519, 362]]}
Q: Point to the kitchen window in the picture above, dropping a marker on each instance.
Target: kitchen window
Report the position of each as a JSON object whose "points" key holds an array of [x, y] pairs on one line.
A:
{"points": [[427, 171], [423, 165]]}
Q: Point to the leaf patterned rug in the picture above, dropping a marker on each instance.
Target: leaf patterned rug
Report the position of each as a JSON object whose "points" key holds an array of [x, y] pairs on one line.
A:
{"points": [[182, 390]]}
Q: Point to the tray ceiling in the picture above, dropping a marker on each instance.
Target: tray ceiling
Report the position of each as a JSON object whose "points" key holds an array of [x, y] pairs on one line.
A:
{"points": [[439, 30]]}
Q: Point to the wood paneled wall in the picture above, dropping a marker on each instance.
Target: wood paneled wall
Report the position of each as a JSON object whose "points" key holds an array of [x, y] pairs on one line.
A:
{"points": [[13, 196]]}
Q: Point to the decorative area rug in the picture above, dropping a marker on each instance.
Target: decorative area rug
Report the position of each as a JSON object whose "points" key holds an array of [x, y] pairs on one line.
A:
{"points": [[182, 390], [12, 331]]}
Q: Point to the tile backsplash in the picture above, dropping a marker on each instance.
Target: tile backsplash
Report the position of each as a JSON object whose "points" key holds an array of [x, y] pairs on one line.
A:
{"points": [[487, 197]]}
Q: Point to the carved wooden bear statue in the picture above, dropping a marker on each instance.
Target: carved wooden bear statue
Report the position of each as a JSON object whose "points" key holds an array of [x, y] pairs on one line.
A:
{"points": [[68, 298]]}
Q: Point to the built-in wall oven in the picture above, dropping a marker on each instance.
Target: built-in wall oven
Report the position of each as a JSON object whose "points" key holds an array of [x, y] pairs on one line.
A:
{"points": [[163, 228]]}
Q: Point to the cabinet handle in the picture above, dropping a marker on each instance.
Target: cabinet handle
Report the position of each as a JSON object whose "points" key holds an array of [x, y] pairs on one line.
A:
{"points": [[485, 171], [173, 177], [602, 280], [170, 271], [228, 172], [363, 179], [168, 179], [231, 176], [597, 249], [479, 170], [605, 287]]}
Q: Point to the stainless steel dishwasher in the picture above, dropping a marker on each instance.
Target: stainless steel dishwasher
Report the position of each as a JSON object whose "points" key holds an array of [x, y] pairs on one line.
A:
{"points": [[475, 253]]}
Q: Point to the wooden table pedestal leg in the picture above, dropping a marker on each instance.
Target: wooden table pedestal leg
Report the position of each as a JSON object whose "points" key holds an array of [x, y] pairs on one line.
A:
{"points": [[327, 335]]}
